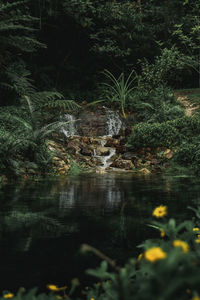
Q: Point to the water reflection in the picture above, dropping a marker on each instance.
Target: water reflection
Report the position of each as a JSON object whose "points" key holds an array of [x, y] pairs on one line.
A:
{"points": [[97, 192]]}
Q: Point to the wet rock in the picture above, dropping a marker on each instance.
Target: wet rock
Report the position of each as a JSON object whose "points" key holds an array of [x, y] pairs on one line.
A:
{"points": [[155, 161], [138, 163], [121, 149], [73, 147], [111, 142], [148, 156], [87, 151], [168, 153], [122, 164], [91, 124], [147, 163], [102, 151], [129, 156], [144, 171]]}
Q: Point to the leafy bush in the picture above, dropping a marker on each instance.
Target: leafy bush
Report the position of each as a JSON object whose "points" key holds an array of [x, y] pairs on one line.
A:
{"points": [[154, 135], [153, 99], [189, 155], [166, 134], [161, 112], [187, 126]]}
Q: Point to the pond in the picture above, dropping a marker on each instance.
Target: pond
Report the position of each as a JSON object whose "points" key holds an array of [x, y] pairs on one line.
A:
{"points": [[44, 222]]}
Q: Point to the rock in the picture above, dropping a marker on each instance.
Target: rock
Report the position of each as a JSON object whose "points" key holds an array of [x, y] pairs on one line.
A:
{"points": [[168, 153], [91, 124], [147, 163], [148, 156], [121, 149], [87, 151], [113, 143], [102, 151], [73, 147], [144, 171], [129, 156], [155, 161], [138, 163], [55, 158], [122, 164]]}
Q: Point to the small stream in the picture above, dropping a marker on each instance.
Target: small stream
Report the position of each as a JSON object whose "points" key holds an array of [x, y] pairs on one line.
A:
{"points": [[44, 223]]}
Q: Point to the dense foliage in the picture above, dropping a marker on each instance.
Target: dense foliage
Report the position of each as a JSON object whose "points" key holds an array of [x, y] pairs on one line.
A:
{"points": [[55, 54]]}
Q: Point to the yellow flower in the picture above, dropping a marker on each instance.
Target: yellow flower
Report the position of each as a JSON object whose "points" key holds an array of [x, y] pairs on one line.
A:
{"points": [[181, 244], [160, 211], [198, 239], [162, 233], [92, 299], [195, 229], [8, 295], [155, 253], [195, 298], [55, 288]]}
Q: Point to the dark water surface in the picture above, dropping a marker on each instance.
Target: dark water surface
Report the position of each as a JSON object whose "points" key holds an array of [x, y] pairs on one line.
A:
{"points": [[44, 223]]}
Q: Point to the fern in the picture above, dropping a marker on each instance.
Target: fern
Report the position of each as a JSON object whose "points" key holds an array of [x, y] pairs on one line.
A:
{"points": [[15, 25], [18, 80], [70, 105]]}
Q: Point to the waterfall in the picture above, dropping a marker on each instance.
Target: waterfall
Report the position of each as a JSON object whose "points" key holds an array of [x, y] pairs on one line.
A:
{"points": [[105, 160], [69, 129], [113, 123]]}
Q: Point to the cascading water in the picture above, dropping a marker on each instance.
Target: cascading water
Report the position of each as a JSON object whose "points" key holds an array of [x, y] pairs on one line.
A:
{"points": [[113, 123], [105, 160], [113, 126], [69, 129]]}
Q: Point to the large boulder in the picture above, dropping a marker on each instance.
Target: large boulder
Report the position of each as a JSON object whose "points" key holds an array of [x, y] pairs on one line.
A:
{"points": [[91, 124]]}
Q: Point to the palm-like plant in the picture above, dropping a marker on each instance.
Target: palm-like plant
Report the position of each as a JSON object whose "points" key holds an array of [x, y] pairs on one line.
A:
{"points": [[119, 89]]}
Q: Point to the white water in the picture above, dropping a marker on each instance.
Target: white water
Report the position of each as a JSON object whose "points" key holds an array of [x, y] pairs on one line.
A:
{"points": [[113, 123], [105, 160], [70, 128]]}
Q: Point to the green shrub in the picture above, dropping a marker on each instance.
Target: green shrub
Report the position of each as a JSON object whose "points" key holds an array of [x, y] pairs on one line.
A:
{"points": [[154, 135], [189, 155], [186, 153], [167, 134], [187, 126]]}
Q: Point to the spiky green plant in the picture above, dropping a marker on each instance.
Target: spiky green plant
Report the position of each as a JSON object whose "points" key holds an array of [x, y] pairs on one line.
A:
{"points": [[119, 89]]}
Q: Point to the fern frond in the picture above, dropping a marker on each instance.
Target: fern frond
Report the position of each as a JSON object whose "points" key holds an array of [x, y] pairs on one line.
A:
{"points": [[70, 105], [8, 6], [23, 43], [94, 103]]}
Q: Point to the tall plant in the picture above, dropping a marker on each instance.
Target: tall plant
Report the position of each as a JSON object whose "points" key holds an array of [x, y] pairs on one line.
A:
{"points": [[118, 89]]}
